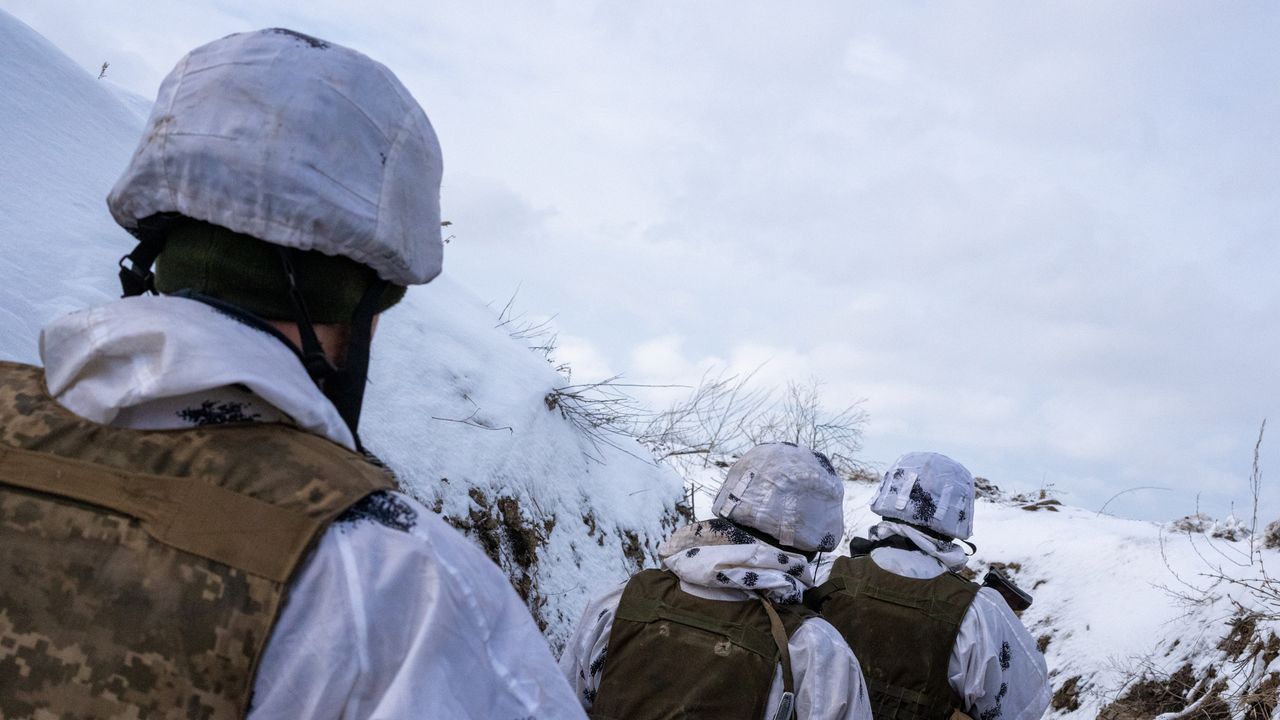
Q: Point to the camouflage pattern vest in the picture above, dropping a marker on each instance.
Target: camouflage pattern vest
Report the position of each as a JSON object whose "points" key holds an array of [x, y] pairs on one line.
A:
{"points": [[141, 572], [902, 631], [674, 655]]}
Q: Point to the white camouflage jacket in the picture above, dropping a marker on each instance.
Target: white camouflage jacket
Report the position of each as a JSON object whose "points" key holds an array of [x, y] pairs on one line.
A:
{"points": [[714, 560], [995, 666], [395, 615]]}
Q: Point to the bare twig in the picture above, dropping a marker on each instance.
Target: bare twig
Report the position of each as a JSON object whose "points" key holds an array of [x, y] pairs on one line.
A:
{"points": [[1255, 484], [1126, 492], [470, 421]]}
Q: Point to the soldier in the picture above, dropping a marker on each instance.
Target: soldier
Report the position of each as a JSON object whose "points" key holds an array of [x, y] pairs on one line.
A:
{"points": [[931, 642], [721, 631], [187, 526]]}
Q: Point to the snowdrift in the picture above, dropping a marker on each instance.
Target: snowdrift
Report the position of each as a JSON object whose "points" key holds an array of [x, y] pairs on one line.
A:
{"points": [[456, 407], [468, 417]]}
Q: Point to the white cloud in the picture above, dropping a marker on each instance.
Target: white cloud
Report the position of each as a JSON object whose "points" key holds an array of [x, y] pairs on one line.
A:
{"points": [[1040, 238]]}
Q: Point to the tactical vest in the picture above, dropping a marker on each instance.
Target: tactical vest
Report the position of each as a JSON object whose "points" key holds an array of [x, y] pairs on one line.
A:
{"points": [[675, 655], [902, 631], [141, 572]]}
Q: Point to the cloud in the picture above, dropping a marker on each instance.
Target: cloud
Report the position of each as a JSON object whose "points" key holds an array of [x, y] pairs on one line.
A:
{"points": [[1040, 238]]}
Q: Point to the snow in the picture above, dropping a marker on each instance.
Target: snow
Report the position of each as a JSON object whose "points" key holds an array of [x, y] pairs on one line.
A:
{"points": [[455, 405], [1107, 590], [65, 139], [460, 411]]}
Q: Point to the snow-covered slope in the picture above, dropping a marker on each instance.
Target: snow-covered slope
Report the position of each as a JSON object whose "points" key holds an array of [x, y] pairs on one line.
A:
{"points": [[455, 405], [461, 411], [65, 138]]}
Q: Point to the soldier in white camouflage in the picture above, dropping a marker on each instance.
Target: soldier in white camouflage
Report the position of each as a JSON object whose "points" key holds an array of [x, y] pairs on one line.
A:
{"points": [[720, 631], [932, 644], [188, 524]]}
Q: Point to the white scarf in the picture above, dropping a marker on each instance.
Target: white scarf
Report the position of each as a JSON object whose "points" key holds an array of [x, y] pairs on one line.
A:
{"points": [[717, 554], [946, 552]]}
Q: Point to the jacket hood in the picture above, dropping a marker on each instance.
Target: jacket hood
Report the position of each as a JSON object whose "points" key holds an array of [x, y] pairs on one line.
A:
{"points": [[149, 359]]}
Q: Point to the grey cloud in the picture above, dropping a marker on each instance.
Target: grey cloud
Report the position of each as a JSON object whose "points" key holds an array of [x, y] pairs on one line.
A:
{"points": [[1041, 237]]}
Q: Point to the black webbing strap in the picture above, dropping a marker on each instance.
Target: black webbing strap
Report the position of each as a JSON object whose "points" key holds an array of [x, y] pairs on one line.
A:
{"points": [[313, 357], [343, 384], [136, 277], [345, 388], [861, 546], [816, 596]]}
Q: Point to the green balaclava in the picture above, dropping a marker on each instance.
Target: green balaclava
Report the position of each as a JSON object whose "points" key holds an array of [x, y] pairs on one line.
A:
{"points": [[248, 273]]}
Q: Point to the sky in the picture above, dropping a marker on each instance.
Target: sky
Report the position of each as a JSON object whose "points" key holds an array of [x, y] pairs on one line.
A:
{"points": [[1039, 238]]}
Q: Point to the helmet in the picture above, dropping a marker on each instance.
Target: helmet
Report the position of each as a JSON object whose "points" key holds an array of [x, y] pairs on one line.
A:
{"points": [[788, 492], [303, 145], [296, 142], [929, 490]]}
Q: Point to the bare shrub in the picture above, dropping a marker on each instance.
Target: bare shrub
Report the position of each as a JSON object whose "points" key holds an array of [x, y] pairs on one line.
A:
{"points": [[721, 418], [726, 415], [606, 412], [1241, 685], [800, 417], [1251, 573], [1271, 536], [537, 335]]}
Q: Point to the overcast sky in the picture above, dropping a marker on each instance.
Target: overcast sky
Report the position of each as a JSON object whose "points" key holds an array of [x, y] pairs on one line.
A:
{"points": [[1038, 237]]}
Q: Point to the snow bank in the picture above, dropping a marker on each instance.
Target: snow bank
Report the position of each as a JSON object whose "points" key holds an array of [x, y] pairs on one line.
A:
{"points": [[461, 411], [65, 139], [455, 406]]}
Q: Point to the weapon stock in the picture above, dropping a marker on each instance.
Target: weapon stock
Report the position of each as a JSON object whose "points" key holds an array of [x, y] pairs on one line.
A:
{"points": [[1017, 598]]}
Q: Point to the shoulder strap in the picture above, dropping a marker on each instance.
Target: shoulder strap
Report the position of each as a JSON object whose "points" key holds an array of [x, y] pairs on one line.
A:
{"points": [[193, 516], [836, 581], [784, 655], [250, 496]]}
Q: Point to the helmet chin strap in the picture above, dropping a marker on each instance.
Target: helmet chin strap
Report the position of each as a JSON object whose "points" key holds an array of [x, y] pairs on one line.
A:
{"points": [[343, 384]]}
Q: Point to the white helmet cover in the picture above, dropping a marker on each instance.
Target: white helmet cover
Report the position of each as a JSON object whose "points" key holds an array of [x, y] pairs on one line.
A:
{"points": [[297, 142], [930, 490], [787, 491]]}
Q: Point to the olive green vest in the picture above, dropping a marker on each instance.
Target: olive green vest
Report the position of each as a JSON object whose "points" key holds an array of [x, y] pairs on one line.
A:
{"points": [[674, 655], [141, 572], [902, 630]]}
